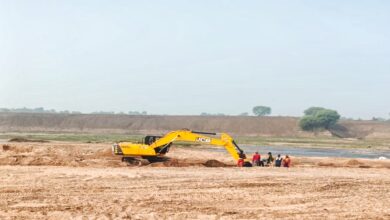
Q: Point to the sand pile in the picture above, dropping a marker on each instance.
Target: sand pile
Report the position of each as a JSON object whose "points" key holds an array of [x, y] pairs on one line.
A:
{"points": [[74, 155], [16, 150], [357, 163], [6, 147], [214, 163], [354, 162], [326, 164], [102, 153], [85, 155], [342, 163]]}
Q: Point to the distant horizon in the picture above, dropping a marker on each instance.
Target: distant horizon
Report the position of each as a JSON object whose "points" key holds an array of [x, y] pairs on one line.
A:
{"points": [[187, 57], [145, 113]]}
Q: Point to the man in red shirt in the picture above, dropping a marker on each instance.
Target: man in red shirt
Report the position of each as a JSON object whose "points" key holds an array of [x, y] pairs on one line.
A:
{"points": [[256, 159], [240, 162], [287, 161]]}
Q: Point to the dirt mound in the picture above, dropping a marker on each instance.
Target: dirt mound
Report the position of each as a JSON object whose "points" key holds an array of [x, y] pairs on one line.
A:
{"points": [[103, 153], [214, 163], [326, 164], [6, 147], [349, 163], [42, 154], [81, 155], [365, 166], [21, 139], [354, 162], [19, 149]]}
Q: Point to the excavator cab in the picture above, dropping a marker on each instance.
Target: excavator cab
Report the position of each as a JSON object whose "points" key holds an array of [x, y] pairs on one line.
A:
{"points": [[150, 139]]}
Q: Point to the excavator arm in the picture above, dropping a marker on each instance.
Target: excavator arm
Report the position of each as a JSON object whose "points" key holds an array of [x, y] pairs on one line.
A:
{"points": [[159, 146]]}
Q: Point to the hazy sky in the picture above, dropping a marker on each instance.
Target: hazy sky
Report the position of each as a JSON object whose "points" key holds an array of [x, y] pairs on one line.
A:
{"points": [[188, 57]]}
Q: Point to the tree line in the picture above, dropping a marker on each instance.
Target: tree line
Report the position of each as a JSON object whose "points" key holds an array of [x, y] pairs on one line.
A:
{"points": [[314, 119], [53, 111]]}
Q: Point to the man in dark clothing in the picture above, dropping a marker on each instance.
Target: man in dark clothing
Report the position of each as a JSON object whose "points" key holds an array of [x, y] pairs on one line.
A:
{"points": [[270, 159], [278, 161]]}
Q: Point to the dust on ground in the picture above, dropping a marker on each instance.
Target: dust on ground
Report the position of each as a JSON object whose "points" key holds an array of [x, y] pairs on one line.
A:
{"points": [[67, 181]]}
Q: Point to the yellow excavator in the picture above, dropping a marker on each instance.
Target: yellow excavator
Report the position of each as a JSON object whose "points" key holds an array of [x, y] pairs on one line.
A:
{"points": [[154, 148]]}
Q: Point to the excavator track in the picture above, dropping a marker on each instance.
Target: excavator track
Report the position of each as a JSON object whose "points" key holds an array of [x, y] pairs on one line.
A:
{"points": [[134, 161], [143, 161]]}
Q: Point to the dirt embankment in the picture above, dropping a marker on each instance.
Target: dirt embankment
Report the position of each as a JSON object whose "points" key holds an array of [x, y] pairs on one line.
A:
{"points": [[99, 155], [236, 125]]}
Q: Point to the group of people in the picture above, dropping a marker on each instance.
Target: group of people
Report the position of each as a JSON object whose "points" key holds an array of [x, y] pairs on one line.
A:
{"points": [[277, 162]]}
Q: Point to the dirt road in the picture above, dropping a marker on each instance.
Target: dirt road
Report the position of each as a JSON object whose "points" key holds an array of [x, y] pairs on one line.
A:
{"points": [[89, 183], [193, 192]]}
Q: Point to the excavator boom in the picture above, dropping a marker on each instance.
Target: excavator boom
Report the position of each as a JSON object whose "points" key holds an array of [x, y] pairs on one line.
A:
{"points": [[157, 146]]}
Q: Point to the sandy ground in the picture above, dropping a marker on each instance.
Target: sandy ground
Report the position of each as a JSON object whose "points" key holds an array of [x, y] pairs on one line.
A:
{"points": [[84, 181]]}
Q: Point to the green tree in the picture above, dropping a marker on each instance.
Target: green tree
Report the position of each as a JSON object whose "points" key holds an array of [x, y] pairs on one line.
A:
{"points": [[313, 110], [317, 118], [261, 110], [309, 123]]}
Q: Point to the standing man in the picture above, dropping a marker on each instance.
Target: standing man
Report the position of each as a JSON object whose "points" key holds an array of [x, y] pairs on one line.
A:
{"points": [[256, 159], [270, 159]]}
